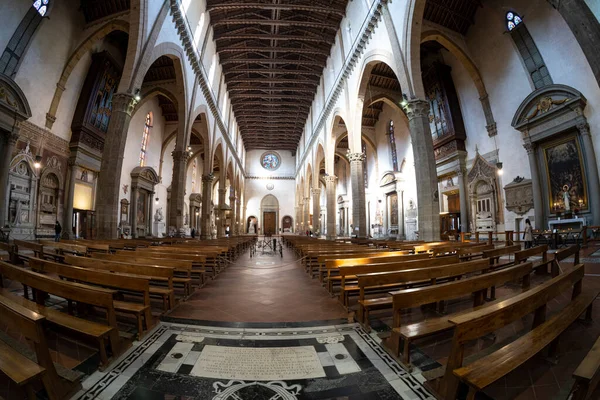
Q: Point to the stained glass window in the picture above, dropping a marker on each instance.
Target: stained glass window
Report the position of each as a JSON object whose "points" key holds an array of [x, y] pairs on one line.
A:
{"points": [[145, 139], [41, 6], [392, 139], [512, 20], [194, 170], [270, 161]]}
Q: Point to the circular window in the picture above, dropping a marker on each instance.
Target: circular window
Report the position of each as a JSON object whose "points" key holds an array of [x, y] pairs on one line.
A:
{"points": [[270, 160]]}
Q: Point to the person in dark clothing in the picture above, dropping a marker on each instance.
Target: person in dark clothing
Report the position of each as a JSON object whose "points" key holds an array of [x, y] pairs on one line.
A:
{"points": [[193, 233], [57, 231]]}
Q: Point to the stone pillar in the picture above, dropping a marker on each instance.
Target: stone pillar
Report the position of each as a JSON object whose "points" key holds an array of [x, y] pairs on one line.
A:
{"points": [[239, 220], [428, 206], [592, 172], [109, 178], [134, 211], [330, 182], [177, 203], [464, 199], [300, 219], [207, 182], [357, 181], [307, 214], [7, 152], [232, 229], [67, 231], [316, 193], [400, 194], [585, 27], [221, 214], [538, 204]]}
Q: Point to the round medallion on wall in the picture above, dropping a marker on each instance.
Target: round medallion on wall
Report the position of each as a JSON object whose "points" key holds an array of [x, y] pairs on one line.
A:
{"points": [[270, 186], [270, 160]]}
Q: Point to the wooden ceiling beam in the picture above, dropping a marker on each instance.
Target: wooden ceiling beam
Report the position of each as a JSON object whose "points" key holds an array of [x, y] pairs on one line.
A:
{"points": [[291, 50], [277, 71], [242, 96], [271, 36], [272, 89], [283, 7], [332, 25], [271, 61], [273, 80]]}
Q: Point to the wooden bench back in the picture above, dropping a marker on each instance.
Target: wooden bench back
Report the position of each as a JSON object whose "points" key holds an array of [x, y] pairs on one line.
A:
{"points": [[115, 266], [486, 320], [324, 258], [336, 263], [38, 249], [95, 277], [474, 249], [430, 294], [160, 261], [195, 258], [523, 255], [73, 248], [396, 266], [420, 274], [502, 251], [69, 290], [90, 244], [568, 252]]}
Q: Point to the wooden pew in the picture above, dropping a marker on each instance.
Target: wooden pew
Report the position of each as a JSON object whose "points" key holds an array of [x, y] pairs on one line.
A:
{"points": [[11, 255], [562, 255], [150, 272], [431, 275], [20, 369], [470, 252], [183, 267], [415, 297], [354, 270], [38, 249], [587, 374], [63, 248], [322, 259], [115, 281], [81, 293], [494, 255], [470, 326], [523, 255]]}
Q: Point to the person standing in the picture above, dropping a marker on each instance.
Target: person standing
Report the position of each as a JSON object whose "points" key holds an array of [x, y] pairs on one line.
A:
{"points": [[193, 233], [57, 231], [528, 234]]}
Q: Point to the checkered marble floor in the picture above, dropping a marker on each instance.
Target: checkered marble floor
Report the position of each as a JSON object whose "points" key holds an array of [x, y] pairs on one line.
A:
{"points": [[179, 361]]}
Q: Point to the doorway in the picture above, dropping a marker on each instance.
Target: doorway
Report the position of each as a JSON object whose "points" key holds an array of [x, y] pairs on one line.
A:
{"points": [[269, 222]]}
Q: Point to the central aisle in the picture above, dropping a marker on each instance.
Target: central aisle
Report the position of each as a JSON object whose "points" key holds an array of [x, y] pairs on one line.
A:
{"points": [[264, 288]]}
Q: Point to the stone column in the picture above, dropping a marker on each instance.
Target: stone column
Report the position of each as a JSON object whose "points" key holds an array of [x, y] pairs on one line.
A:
{"points": [[109, 178], [538, 204], [134, 211], [7, 152], [316, 193], [232, 230], [400, 194], [307, 214], [330, 182], [428, 206], [177, 203], [67, 231], [357, 181], [464, 199], [300, 218], [592, 172], [221, 214], [207, 182], [238, 221], [585, 27]]}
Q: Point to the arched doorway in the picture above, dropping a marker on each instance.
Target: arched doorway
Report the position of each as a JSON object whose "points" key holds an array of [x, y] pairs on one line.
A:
{"points": [[269, 207]]}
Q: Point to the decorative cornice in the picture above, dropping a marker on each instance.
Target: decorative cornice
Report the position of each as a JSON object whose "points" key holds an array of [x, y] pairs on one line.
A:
{"points": [[368, 26], [330, 178], [417, 109], [288, 178], [186, 36], [43, 138]]}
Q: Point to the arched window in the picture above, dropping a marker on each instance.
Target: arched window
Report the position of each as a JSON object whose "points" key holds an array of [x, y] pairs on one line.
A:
{"points": [[145, 139], [532, 58], [19, 42], [41, 6], [512, 20], [194, 171], [392, 139]]}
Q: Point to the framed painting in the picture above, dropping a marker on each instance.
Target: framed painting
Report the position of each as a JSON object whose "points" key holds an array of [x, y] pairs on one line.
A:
{"points": [[393, 209], [141, 208], [565, 173]]}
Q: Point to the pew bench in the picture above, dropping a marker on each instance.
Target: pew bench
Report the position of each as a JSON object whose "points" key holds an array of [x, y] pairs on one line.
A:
{"points": [[30, 247], [539, 265], [563, 254], [587, 374]]}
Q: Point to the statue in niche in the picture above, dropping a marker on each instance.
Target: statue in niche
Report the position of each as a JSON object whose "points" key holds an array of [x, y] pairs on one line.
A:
{"points": [[84, 176], [158, 215], [566, 198]]}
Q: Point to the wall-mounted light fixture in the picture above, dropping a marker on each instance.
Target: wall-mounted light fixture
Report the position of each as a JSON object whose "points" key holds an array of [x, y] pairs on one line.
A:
{"points": [[38, 162], [156, 200], [137, 95], [404, 102], [500, 172]]}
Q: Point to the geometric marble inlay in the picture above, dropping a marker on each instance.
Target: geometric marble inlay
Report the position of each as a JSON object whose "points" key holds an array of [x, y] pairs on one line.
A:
{"points": [[258, 364]]}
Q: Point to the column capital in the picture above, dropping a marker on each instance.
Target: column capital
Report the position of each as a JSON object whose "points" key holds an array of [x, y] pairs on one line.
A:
{"points": [[307, 200], [316, 192], [222, 191], [492, 129], [330, 179], [180, 155], [232, 198], [356, 157], [417, 108], [529, 147], [124, 102], [208, 178], [584, 129]]}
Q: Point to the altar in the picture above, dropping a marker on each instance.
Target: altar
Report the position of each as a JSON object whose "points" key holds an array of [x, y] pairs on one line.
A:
{"points": [[565, 224]]}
